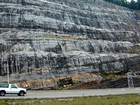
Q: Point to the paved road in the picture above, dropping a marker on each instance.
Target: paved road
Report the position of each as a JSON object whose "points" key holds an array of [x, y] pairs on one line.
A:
{"points": [[74, 93]]}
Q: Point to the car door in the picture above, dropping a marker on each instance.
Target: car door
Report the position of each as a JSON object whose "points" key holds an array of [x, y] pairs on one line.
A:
{"points": [[13, 89]]}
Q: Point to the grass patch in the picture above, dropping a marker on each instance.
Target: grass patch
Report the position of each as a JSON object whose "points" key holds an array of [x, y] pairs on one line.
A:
{"points": [[127, 99]]}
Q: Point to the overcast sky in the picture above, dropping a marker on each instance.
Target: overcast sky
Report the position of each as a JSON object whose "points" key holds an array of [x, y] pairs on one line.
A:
{"points": [[130, 0]]}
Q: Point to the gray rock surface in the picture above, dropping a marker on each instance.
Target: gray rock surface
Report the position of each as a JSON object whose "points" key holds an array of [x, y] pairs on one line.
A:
{"points": [[62, 38]]}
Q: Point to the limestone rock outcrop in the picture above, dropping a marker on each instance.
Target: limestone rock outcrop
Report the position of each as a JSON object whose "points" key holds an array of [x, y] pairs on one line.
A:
{"points": [[51, 39]]}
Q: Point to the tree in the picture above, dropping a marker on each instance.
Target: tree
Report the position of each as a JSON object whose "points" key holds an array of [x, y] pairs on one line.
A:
{"points": [[123, 2], [132, 4], [138, 4]]}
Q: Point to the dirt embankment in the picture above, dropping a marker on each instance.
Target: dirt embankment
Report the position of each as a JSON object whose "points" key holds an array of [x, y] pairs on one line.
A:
{"points": [[108, 83]]}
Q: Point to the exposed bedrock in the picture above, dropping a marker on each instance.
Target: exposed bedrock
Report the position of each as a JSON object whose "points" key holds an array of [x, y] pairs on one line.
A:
{"points": [[45, 39]]}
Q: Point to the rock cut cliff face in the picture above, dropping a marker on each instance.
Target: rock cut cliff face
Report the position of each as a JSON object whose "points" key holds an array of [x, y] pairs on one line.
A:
{"points": [[51, 39]]}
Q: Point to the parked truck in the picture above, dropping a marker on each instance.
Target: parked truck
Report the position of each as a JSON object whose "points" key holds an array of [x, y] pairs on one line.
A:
{"points": [[11, 89]]}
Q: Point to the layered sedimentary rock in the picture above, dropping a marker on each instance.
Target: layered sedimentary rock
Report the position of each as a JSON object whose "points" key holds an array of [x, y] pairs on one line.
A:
{"points": [[50, 39]]}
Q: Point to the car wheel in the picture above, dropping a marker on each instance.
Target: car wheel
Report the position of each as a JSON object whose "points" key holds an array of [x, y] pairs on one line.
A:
{"points": [[2, 93], [21, 93]]}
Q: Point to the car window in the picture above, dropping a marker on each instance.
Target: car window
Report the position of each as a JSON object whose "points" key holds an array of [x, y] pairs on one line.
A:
{"points": [[4, 85], [13, 86]]}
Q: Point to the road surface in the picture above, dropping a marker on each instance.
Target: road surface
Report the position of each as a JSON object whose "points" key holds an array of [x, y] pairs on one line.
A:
{"points": [[73, 93]]}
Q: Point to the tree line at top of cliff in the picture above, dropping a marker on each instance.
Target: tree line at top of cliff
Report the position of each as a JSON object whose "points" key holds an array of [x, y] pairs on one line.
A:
{"points": [[132, 4]]}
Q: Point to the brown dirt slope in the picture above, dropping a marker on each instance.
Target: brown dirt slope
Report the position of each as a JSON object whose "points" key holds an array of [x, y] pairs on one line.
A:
{"points": [[108, 83]]}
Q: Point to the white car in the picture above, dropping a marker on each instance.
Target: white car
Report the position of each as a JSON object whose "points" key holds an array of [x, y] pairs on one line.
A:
{"points": [[11, 89]]}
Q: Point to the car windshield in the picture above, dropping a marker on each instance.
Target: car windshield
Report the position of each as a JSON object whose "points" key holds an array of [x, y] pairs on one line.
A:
{"points": [[15, 85]]}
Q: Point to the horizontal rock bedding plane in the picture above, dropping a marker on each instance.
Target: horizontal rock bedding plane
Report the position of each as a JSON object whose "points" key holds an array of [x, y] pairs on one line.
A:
{"points": [[43, 41]]}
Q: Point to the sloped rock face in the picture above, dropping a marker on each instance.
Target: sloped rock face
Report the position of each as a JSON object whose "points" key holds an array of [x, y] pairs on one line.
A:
{"points": [[50, 39]]}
